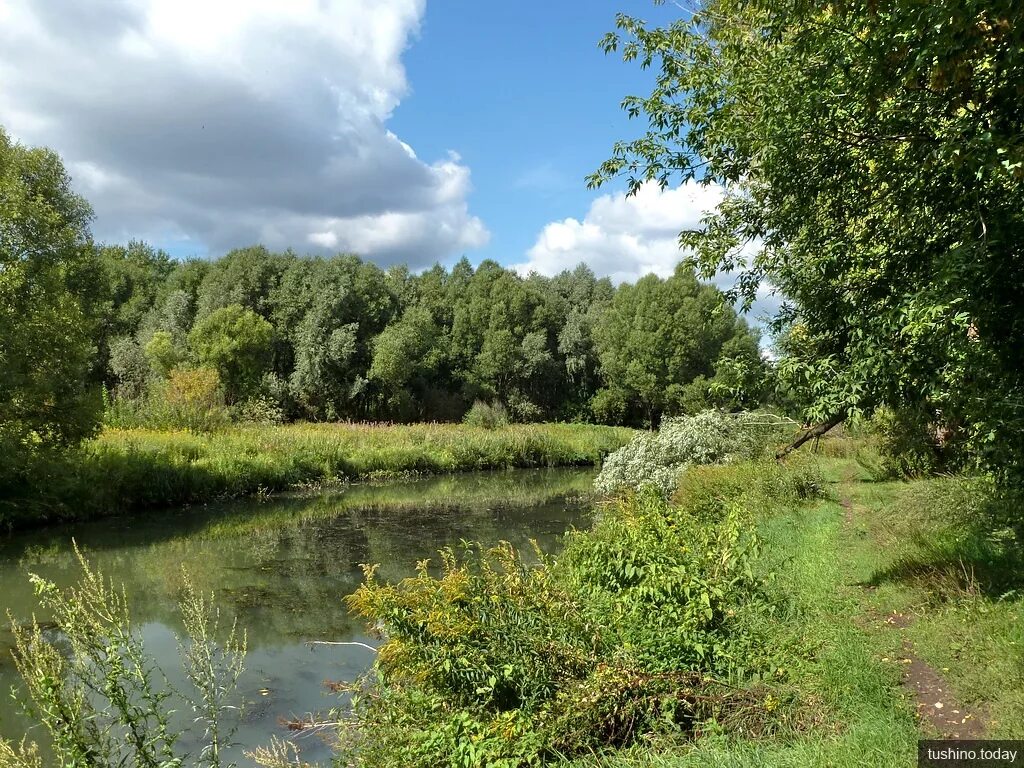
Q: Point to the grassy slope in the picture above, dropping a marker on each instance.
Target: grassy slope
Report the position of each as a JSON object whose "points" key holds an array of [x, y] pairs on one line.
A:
{"points": [[126, 470], [838, 566]]}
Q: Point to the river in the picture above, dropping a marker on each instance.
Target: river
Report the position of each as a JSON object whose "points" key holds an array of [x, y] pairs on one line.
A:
{"points": [[281, 567]]}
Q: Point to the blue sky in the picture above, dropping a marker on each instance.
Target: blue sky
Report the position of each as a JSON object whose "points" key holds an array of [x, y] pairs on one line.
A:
{"points": [[527, 98], [407, 131]]}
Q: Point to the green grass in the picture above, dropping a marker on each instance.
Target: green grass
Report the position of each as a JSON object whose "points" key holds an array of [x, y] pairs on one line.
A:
{"points": [[131, 470], [931, 550]]}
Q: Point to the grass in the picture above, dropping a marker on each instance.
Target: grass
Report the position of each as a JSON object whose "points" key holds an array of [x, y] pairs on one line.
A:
{"points": [[131, 470], [930, 550], [933, 551]]}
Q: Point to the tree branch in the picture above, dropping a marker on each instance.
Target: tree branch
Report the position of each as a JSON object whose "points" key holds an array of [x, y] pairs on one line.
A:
{"points": [[810, 434]]}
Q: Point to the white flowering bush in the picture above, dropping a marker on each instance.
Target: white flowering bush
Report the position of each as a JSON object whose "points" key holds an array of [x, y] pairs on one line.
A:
{"points": [[656, 459]]}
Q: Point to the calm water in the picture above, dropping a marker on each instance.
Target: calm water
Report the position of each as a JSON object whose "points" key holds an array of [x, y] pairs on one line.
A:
{"points": [[282, 567]]}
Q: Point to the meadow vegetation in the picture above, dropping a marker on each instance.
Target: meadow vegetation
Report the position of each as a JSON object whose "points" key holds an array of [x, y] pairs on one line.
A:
{"points": [[138, 469], [725, 609]]}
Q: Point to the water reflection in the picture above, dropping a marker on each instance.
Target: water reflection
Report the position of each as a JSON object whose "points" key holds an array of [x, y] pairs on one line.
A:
{"points": [[282, 567]]}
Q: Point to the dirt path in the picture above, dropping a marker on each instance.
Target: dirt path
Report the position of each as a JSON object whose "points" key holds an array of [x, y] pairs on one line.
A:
{"points": [[939, 714], [938, 711]]}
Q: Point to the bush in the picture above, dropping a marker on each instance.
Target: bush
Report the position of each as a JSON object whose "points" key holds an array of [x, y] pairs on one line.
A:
{"points": [[258, 410], [638, 628], [656, 459], [190, 399], [488, 416], [913, 444]]}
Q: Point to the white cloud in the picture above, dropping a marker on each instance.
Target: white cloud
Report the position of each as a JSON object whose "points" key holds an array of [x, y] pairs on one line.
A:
{"points": [[229, 121], [625, 238]]}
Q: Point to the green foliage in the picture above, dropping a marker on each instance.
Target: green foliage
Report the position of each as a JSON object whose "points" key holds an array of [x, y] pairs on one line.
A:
{"points": [[48, 278], [651, 623], [872, 161], [104, 702], [914, 444], [236, 342], [658, 336], [353, 341], [189, 399], [153, 468], [163, 354], [486, 415], [406, 355], [131, 367], [259, 410]]}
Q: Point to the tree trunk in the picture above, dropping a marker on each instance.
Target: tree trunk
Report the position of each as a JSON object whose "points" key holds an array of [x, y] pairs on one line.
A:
{"points": [[816, 431]]}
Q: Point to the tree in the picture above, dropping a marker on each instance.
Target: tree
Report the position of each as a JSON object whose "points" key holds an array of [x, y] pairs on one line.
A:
{"points": [[405, 358], [132, 278], [325, 379], [654, 339], [504, 332], [235, 342], [130, 367], [244, 276], [162, 353], [873, 157], [48, 279]]}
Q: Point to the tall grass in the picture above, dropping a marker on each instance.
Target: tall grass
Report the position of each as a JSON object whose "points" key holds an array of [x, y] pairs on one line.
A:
{"points": [[127, 470]]}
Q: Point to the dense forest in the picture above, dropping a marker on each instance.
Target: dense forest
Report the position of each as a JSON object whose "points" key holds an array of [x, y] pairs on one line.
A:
{"points": [[341, 338]]}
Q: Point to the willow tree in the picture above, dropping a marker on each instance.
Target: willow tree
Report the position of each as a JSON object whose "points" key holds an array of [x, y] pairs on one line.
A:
{"points": [[872, 156], [48, 279]]}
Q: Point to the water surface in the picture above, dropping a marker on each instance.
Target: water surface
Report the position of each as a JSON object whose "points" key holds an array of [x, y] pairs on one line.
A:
{"points": [[281, 567]]}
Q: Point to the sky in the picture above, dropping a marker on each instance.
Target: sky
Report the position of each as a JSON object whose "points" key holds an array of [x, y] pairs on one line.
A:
{"points": [[408, 131]]}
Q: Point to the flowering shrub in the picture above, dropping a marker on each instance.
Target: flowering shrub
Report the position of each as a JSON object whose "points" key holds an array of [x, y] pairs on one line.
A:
{"points": [[656, 459]]}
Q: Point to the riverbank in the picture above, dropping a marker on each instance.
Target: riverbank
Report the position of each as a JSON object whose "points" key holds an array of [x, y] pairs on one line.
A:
{"points": [[134, 470], [800, 616], [905, 609]]}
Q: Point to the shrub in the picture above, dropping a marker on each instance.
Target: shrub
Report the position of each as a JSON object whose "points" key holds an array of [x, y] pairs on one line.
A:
{"points": [[912, 444], [644, 625], [259, 410], [656, 459], [103, 701], [190, 399], [488, 416]]}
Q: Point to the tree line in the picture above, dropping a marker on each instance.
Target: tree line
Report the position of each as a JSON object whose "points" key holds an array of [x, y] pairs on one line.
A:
{"points": [[328, 338], [126, 330]]}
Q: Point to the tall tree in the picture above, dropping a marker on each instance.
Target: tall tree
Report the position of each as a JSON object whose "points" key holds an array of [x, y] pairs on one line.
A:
{"points": [[48, 297], [873, 157], [654, 339], [235, 342]]}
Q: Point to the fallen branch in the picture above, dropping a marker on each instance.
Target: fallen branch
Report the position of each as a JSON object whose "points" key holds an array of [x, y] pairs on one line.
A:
{"points": [[810, 434], [354, 642]]}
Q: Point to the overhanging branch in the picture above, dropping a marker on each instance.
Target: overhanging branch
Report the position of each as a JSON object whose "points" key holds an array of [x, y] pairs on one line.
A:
{"points": [[810, 434]]}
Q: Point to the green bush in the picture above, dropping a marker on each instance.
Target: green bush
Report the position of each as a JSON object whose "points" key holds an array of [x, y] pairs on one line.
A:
{"points": [[912, 444], [488, 416], [189, 399], [258, 410], [653, 622]]}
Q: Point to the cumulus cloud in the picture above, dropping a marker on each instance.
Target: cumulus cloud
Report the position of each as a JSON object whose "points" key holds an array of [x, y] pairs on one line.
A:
{"points": [[625, 238], [230, 122]]}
